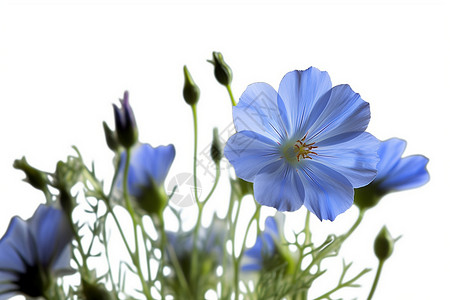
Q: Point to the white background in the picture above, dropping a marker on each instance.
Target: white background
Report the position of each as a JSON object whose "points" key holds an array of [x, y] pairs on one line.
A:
{"points": [[63, 63]]}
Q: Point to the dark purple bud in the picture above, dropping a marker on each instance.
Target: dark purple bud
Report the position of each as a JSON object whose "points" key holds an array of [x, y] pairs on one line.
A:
{"points": [[126, 128]]}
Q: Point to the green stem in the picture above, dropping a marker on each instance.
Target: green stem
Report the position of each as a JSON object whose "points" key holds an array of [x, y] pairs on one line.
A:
{"points": [[193, 272], [163, 251], [375, 282], [231, 95], [135, 257]]}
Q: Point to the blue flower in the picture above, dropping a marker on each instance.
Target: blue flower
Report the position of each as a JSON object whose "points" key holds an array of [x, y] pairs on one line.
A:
{"points": [[394, 173], [264, 248], [32, 252], [305, 145], [146, 174]]}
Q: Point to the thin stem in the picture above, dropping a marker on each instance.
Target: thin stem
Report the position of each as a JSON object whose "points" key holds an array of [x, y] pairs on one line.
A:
{"points": [[193, 272], [375, 281], [231, 95], [163, 251], [135, 257]]}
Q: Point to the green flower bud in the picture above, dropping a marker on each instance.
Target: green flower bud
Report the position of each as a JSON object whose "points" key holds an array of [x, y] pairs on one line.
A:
{"points": [[216, 147], [222, 71], [368, 196], [95, 291], [111, 138], [384, 244], [35, 177], [191, 92]]}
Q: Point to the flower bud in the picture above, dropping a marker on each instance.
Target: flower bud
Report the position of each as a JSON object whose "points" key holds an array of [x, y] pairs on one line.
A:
{"points": [[222, 71], [95, 291], [242, 187], [384, 244], [35, 177], [216, 147], [111, 138], [126, 128], [191, 92]]}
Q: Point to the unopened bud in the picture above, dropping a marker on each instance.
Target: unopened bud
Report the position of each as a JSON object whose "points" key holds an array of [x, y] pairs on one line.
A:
{"points": [[222, 71], [111, 138], [126, 128], [384, 244], [191, 92], [95, 291], [216, 147], [35, 177]]}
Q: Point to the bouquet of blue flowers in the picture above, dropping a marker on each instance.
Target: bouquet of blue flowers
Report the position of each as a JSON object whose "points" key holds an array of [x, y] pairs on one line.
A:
{"points": [[304, 144]]}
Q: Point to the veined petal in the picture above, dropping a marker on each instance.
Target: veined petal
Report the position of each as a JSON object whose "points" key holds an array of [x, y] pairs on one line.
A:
{"points": [[409, 173], [390, 153], [15, 247], [257, 111], [328, 193], [353, 155], [278, 185], [51, 231], [345, 112], [300, 90], [249, 152]]}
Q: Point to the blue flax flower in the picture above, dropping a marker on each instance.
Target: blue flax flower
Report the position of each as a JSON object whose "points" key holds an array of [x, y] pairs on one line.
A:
{"points": [[394, 173], [264, 248], [303, 145], [32, 252], [146, 174]]}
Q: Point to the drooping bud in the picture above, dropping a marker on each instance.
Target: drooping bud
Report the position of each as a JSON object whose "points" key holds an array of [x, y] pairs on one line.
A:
{"points": [[35, 177], [216, 147], [191, 92], [222, 71], [384, 244], [111, 138], [126, 127]]}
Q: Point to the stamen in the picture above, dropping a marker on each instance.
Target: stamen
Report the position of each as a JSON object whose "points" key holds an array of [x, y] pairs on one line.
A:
{"points": [[303, 149]]}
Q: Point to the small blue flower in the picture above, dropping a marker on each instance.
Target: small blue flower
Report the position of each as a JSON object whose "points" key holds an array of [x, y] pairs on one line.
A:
{"points": [[303, 145], [394, 173], [32, 252], [264, 247], [146, 174]]}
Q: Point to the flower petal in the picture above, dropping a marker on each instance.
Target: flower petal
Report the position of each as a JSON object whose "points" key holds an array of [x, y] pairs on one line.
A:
{"points": [[300, 90], [409, 173], [249, 152], [278, 185], [15, 249], [52, 233], [155, 162], [353, 155], [390, 153], [257, 111], [344, 112], [328, 193]]}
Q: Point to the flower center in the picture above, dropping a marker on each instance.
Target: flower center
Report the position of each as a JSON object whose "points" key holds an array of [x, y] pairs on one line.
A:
{"points": [[293, 153]]}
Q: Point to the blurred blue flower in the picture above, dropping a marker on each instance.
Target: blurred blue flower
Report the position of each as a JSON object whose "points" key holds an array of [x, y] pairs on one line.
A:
{"points": [[394, 173], [303, 145], [147, 171], [32, 252], [210, 245], [264, 247]]}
